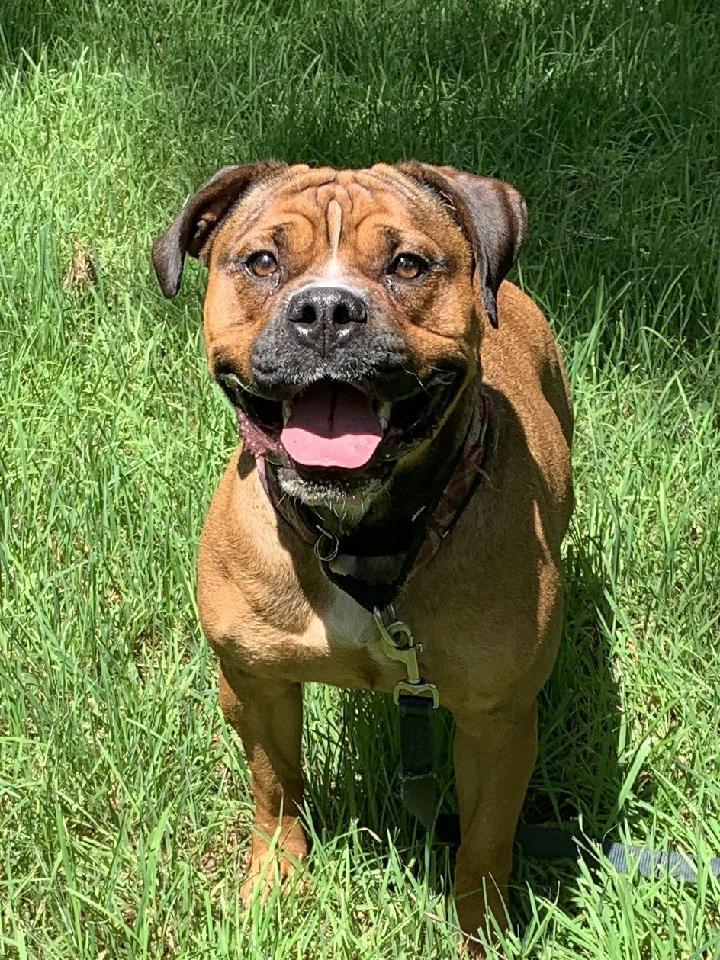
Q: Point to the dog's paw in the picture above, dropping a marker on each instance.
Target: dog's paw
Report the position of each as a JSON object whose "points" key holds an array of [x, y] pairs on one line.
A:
{"points": [[270, 865]]}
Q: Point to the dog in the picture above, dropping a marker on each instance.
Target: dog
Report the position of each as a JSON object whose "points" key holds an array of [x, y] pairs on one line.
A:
{"points": [[361, 326]]}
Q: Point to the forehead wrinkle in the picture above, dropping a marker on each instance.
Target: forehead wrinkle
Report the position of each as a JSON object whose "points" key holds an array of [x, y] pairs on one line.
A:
{"points": [[352, 179], [291, 218], [334, 225], [383, 178], [299, 227], [262, 200], [417, 195], [310, 179], [283, 223], [367, 180]]}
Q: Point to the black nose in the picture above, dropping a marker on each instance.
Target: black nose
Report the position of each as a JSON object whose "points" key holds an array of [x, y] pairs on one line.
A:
{"points": [[326, 317]]}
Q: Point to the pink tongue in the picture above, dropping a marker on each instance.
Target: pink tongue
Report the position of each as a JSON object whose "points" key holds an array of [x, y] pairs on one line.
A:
{"points": [[332, 425]]}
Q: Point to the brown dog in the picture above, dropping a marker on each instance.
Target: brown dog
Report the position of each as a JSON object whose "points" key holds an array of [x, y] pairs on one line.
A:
{"points": [[346, 316]]}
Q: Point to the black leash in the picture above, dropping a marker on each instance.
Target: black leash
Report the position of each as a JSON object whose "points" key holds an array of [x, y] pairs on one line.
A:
{"points": [[418, 781], [420, 798], [551, 843]]}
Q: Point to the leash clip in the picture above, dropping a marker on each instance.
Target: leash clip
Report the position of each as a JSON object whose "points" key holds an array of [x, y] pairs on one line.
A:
{"points": [[398, 644], [405, 688]]}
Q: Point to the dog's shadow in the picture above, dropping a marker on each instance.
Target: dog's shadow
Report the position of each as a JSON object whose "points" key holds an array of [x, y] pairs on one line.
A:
{"points": [[353, 763], [578, 776]]}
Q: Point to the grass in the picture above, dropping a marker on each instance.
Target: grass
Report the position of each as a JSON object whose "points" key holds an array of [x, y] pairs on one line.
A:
{"points": [[124, 805]]}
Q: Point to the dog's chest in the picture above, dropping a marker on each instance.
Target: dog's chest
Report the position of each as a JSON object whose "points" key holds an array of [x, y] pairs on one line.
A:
{"points": [[344, 623], [351, 635], [340, 645]]}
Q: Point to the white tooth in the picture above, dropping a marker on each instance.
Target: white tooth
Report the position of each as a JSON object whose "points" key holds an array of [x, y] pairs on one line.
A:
{"points": [[231, 380], [384, 412], [286, 411]]}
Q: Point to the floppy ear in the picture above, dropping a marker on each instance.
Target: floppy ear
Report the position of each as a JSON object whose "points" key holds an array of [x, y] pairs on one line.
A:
{"points": [[493, 215], [196, 224]]}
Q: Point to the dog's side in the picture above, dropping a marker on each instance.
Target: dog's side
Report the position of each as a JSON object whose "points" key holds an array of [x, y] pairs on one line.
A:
{"points": [[326, 283]]}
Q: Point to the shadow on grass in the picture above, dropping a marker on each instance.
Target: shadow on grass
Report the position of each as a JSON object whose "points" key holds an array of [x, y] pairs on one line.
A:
{"points": [[578, 777], [27, 27], [585, 136], [369, 84]]}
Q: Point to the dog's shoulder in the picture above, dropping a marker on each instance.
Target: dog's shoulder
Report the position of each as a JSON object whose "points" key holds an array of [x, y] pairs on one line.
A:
{"points": [[522, 361], [528, 388]]}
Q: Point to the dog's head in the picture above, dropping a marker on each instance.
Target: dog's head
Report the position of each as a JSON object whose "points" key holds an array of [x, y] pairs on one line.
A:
{"points": [[343, 309]]}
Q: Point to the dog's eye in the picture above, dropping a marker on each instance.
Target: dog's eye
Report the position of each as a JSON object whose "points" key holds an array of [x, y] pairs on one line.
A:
{"points": [[262, 264], [408, 266]]}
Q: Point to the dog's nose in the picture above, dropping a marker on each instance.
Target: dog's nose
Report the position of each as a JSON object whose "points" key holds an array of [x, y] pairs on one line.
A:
{"points": [[325, 317]]}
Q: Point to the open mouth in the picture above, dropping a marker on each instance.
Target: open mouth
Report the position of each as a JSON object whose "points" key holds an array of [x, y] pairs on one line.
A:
{"points": [[333, 426], [336, 426]]}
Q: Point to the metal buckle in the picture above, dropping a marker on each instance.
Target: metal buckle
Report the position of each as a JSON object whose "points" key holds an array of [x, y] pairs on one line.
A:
{"points": [[399, 644]]}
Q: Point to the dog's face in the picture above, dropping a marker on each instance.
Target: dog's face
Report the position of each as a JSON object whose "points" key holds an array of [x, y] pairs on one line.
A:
{"points": [[343, 309]]}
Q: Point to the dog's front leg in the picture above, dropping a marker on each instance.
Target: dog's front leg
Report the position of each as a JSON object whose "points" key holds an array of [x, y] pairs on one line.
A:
{"points": [[494, 758], [268, 716]]}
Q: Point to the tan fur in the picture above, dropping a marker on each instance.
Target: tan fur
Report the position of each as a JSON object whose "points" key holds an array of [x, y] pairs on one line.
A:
{"points": [[487, 608]]}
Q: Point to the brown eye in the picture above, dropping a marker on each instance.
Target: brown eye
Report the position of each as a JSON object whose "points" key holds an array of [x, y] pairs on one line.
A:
{"points": [[408, 266], [262, 264]]}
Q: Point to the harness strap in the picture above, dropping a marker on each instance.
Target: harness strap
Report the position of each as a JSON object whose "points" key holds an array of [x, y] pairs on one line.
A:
{"points": [[419, 542]]}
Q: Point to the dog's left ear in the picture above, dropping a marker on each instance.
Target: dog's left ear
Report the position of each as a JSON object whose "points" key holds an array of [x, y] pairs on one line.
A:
{"points": [[193, 229], [493, 215]]}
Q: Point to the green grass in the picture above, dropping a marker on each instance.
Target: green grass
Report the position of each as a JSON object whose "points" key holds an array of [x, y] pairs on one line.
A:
{"points": [[124, 805]]}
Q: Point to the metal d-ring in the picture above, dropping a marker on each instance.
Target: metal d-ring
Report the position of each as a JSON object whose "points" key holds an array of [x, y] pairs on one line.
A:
{"points": [[326, 557]]}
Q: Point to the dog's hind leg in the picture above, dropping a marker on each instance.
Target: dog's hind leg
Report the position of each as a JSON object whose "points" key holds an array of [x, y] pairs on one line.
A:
{"points": [[494, 758], [268, 716]]}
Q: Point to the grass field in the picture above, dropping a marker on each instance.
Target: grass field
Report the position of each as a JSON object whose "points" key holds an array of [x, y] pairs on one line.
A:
{"points": [[124, 805]]}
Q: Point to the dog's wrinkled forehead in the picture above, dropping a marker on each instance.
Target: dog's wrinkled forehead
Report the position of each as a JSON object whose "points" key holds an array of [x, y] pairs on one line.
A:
{"points": [[335, 215], [471, 226]]}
